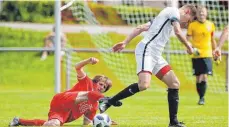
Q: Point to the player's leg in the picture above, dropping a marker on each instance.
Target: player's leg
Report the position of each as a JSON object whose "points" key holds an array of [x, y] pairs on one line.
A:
{"points": [[164, 73], [34, 122], [52, 122], [60, 104], [173, 84], [59, 109], [202, 67], [143, 84], [197, 68], [198, 84], [145, 64], [202, 87], [25, 122], [14, 122], [57, 116]]}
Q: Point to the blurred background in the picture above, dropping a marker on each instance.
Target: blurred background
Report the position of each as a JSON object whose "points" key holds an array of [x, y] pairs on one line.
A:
{"points": [[90, 28]]}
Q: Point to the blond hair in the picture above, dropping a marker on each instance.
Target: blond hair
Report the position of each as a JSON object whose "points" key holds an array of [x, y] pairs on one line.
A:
{"points": [[192, 8], [102, 78]]}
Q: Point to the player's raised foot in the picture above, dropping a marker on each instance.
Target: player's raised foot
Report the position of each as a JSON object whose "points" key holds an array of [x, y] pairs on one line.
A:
{"points": [[201, 101], [179, 124], [14, 122], [104, 104]]}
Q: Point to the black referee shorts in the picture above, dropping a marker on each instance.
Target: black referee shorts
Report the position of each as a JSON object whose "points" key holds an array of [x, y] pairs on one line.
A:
{"points": [[202, 66]]}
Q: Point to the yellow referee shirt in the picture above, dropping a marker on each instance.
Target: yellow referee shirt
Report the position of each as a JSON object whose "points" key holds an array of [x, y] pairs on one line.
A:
{"points": [[201, 34]]}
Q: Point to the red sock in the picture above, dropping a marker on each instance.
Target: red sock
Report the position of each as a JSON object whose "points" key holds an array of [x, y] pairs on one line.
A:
{"points": [[35, 122], [94, 96]]}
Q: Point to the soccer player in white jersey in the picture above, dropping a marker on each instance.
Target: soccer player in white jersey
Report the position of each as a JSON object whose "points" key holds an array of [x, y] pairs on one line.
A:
{"points": [[149, 58]]}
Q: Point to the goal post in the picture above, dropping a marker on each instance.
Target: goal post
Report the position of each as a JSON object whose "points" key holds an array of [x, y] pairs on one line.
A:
{"points": [[57, 47]]}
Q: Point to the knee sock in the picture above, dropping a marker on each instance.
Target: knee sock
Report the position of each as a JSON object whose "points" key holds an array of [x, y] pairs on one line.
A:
{"points": [[203, 88], [35, 122], [198, 88], [173, 100], [127, 92]]}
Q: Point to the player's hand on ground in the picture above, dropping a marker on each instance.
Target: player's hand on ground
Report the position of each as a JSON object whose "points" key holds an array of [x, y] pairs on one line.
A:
{"points": [[89, 125], [93, 60], [114, 123], [118, 47]]}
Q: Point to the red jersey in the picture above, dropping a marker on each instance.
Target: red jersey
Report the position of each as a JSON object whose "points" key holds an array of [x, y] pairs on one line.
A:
{"points": [[84, 84], [63, 105]]}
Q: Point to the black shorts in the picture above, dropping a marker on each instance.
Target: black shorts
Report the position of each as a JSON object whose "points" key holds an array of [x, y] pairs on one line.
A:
{"points": [[202, 66]]}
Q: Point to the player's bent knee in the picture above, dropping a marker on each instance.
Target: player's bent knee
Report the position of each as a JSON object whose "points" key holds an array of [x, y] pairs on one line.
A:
{"points": [[143, 85], [144, 80], [52, 122], [175, 84], [171, 80]]}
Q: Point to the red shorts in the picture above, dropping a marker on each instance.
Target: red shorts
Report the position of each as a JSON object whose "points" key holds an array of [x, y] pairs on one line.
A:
{"points": [[60, 106]]}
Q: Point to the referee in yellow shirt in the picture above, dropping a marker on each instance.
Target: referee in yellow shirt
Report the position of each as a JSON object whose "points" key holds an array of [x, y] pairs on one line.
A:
{"points": [[201, 34]]}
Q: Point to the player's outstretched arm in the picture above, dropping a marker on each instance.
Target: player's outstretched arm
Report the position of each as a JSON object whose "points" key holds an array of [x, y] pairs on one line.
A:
{"points": [[222, 39], [213, 42], [79, 66], [138, 30], [86, 122], [181, 37], [188, 37]]}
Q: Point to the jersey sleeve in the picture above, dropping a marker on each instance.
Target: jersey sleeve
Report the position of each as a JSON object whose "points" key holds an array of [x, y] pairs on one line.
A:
{"points": [[84, 84], [151, 20], [189, 31], [213, 27]]}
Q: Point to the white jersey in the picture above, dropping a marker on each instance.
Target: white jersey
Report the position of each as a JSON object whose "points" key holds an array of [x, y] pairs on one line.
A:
{"points": [[148, 51], [161, 28]]}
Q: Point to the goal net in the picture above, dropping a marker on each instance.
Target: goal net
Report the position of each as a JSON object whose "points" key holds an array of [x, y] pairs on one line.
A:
{"points": [[123, 66], [119, 64]]}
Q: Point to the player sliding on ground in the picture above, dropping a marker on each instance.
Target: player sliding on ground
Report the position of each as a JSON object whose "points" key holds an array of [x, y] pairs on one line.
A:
{"points": [[149, 58], [202, 39], [68, 106]]}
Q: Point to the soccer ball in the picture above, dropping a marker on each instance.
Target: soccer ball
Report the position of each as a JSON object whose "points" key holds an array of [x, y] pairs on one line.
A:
{"points": [[101, 120]]}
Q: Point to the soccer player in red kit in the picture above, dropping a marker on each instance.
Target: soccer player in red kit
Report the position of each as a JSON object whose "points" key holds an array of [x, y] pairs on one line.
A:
{"points": [[68, 106]]}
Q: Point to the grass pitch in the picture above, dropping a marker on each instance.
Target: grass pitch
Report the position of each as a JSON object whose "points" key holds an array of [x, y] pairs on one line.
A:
{"points": [[146, 109], [27, 87]]}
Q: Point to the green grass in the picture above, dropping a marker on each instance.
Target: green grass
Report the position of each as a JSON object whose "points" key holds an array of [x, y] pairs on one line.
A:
{"points": [[144, 109], [27, 86]]}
